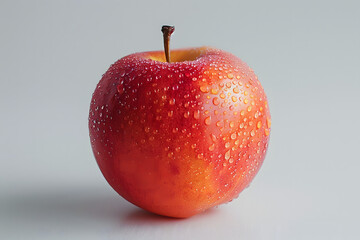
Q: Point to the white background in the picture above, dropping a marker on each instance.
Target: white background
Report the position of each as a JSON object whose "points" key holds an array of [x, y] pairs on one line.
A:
{"points": [[306, 54]]}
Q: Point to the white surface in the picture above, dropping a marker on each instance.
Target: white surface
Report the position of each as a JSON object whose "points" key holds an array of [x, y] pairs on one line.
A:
{"points": [[306, 54]]}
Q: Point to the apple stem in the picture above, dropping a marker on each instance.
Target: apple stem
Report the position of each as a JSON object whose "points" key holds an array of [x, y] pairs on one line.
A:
{"points": [[167, 31]]}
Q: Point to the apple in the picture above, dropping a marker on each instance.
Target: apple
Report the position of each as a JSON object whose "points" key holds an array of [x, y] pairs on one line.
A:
{"points": [[179, 136]]}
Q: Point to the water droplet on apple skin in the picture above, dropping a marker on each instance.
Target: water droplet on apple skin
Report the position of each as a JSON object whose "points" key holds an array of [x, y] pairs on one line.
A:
{"points": [[216, 101], [120, 89], [207, 121]]}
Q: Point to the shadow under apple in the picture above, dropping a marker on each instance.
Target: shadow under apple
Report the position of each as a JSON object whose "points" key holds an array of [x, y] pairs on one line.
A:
{"points": [[59, 210]]}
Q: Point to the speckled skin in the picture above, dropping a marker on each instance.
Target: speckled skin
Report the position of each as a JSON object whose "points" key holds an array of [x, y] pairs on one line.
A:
{"points": [[179, 138]]}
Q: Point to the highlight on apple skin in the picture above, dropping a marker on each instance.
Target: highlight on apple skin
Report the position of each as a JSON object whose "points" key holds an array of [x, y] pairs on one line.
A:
{"points": [[177, 138]]}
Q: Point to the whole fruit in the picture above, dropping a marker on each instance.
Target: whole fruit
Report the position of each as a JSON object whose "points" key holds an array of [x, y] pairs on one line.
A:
{"points": [[178, 138]]}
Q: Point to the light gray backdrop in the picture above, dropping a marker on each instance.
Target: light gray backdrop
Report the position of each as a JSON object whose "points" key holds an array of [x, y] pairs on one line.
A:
{"points": [[306, 54]]}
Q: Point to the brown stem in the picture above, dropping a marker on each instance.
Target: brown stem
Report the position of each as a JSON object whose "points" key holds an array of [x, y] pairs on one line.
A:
{"points": [[167, 31]]}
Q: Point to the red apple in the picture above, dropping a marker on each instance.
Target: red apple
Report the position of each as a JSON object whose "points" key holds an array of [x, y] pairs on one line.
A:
{"points": [[177, 138]]}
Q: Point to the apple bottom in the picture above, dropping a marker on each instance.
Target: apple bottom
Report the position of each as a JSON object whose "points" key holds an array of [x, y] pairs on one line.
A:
{"points": [[176, 187]]}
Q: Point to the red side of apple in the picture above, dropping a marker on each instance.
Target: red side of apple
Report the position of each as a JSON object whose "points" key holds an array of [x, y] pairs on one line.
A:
{"points": [[179, 138]]}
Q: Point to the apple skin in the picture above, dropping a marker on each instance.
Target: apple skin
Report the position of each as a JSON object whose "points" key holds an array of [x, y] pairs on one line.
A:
{"points": [[179, 138]]}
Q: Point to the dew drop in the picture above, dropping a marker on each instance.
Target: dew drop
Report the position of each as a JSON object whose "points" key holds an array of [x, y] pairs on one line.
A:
{"points": [[227, 155], [212, 147], [197, 114], [227, 145], [216, 101], [172, 101], [208, 120], [120, 89], [186, 114], [204, 89], [214, 91], [267, 132], [252, 133], [233, 136], [213, 137], [268, 122]]}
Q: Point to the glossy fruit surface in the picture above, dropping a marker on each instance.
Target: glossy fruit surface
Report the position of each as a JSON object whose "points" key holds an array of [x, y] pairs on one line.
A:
{"points": [[179, 138]]}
